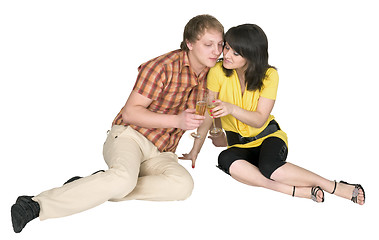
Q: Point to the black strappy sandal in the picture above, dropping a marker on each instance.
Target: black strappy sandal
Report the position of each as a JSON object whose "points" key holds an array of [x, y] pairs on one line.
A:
{"points": [[314, 191], [354, 196]]}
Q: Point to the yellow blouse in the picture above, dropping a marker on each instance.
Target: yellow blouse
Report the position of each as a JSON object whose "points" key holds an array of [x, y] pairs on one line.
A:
{"points": [[229, 90]]}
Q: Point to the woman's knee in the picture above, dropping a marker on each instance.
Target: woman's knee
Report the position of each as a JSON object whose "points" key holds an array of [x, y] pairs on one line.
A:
{"points": [[272, 156], [268, 168], [225, 160]]}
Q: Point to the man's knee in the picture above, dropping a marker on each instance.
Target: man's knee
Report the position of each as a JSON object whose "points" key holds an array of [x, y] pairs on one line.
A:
{"points": [[121, 182], [182, 187]]}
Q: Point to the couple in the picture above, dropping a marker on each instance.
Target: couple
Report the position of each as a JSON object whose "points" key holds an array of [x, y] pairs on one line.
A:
{"points": [[139, 149]]}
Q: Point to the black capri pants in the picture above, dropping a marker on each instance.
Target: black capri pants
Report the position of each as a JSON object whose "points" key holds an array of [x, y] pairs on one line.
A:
{"points": [[267, 157]]}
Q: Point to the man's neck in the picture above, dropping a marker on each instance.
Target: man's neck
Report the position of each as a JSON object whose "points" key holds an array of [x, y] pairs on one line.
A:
{"points": [[195, 65]]}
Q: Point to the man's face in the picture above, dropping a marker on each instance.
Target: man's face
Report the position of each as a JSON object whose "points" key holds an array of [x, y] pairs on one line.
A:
{"points": [[206, 51]]}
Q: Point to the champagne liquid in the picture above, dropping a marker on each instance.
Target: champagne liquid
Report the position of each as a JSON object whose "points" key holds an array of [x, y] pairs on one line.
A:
{"points": [[210, 107], [200, 107], [215, 131]]}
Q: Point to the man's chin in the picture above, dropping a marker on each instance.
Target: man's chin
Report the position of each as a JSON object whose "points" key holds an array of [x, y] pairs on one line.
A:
{"points": [[211, 63]]}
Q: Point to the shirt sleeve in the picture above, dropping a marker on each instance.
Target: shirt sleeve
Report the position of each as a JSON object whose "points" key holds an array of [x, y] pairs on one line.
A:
{"points": [[270, 84], [150, 80]]}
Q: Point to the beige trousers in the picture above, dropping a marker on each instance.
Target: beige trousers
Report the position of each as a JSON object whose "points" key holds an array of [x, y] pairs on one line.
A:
{"points": [[137, 170]]}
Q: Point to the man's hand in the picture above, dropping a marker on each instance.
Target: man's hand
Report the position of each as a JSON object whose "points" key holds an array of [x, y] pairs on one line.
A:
{"points": [[188, 120]]}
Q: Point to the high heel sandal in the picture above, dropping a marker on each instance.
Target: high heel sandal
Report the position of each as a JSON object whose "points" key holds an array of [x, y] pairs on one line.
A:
{"points": [[354, 195], [314, 191]]}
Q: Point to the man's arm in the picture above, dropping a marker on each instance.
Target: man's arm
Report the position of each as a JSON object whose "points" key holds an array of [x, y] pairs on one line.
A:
{"points": [[135, 112]]}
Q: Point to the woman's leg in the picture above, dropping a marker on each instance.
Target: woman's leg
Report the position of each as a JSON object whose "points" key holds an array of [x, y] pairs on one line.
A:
{"points": [[249, 174], [231, 161], [295, 175], [272, 164]]}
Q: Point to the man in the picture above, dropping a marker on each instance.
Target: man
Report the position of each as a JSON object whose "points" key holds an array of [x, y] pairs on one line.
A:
{"points": [[139, 149]]}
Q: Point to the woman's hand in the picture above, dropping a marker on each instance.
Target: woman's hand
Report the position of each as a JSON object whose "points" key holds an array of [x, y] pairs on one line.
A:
{"points": [[192, 155], [219, 141], [222, 109], [254, 119]]}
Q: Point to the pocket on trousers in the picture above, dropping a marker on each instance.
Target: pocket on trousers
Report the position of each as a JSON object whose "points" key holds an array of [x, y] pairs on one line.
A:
{"points": [[115, 132], [112, 138]]}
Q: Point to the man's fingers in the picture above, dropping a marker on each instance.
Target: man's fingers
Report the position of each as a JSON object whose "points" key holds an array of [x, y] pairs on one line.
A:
{"points": [[198, 117], [189, 110]]}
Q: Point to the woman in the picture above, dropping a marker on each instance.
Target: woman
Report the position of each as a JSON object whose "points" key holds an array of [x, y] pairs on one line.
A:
{"points": [[246, 87]]}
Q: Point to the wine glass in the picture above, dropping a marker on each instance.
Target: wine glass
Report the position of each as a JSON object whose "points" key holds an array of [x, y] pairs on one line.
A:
{"points": [[201, 106], [214, 131]]}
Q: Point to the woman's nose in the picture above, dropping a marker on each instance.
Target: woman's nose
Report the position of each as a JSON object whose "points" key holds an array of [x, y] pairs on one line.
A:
{"points": [[226, 53]]}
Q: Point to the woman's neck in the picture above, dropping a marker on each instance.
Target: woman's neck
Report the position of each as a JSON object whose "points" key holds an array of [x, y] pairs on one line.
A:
{"points": [[241, 76]]}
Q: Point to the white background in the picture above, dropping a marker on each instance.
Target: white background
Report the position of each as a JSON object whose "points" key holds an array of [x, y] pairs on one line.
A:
{"points": [[67, 68]]}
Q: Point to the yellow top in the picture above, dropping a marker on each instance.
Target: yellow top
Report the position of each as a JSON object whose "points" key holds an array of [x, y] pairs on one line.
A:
{"points": [[229, 90]]}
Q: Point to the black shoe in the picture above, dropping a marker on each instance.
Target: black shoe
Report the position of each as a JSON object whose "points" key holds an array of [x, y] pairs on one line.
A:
{"points": [[77, 177], [72, 179], [23, 211]]}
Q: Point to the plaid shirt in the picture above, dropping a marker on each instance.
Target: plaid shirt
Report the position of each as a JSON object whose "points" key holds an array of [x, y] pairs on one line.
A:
{"points": [[172, 86]]}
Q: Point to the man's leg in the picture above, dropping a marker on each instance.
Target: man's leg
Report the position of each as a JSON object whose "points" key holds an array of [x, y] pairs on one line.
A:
{"points": [[162, 178], [123, 156]]}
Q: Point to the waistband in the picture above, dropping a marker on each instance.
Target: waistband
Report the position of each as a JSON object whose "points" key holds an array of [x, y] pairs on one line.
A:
{"points": [[235, 138]]}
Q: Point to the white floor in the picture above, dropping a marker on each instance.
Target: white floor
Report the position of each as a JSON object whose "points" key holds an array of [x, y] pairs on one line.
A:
{"points": [[67, 68]]}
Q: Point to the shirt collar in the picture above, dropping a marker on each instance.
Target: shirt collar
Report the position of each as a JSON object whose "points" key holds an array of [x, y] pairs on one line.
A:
{"points": [[184, 60]]}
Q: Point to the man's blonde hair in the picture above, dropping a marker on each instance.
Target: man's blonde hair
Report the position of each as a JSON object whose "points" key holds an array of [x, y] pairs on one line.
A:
{"points": [[196, 27]]}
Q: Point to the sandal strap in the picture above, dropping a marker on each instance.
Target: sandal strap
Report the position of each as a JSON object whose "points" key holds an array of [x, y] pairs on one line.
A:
{"points": [[354, 196], [335, 186], [293, 192], [314, 192]]}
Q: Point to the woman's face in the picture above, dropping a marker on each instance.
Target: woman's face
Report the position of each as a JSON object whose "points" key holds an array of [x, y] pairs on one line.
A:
{"points": [[232, 59]]}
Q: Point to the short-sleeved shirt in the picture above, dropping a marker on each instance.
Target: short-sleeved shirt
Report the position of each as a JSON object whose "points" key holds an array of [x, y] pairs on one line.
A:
{"points": [[229, 90], [170, 83]]}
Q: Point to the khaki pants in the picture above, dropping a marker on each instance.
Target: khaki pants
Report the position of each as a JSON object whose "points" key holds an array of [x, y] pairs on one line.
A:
{"points": [[137, 170]]}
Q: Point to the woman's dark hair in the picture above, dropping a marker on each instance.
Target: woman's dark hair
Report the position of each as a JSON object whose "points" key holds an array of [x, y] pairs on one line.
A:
{"points": [[251, 43]]}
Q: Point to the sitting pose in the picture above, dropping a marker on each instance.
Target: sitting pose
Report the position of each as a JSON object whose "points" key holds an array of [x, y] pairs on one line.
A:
{"points": [[140, 147], [246, 86]]}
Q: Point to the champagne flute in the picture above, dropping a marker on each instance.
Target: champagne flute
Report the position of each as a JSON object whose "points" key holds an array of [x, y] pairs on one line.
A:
{"points": [[201, 106], [215, 131]]}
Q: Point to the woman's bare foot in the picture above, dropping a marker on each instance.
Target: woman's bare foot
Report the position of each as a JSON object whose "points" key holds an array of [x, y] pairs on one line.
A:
{"points": [[352, 192], [306, 192]]}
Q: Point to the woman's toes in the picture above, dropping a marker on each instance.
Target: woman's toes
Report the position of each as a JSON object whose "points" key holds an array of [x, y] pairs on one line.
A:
{"points": [[320, 196], [361, 197], [348, 191]]}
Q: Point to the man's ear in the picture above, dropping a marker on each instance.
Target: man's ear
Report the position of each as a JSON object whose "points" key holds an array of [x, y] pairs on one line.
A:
{"points": [[189, 45]]}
